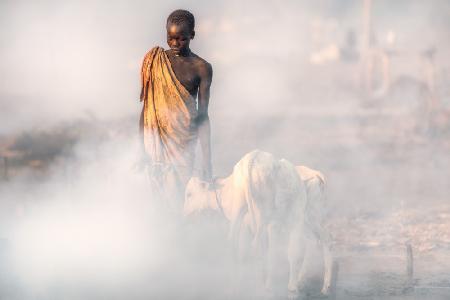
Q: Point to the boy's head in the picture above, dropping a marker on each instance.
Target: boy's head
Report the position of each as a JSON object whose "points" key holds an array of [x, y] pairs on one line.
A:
{"points": [[180, 30]]}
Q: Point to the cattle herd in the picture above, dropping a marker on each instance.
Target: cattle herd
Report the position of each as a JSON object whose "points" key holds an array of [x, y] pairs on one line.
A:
{"points": [[269, 203]]}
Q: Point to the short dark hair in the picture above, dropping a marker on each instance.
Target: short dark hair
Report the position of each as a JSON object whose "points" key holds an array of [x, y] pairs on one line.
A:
{"points": [[181, 16]]}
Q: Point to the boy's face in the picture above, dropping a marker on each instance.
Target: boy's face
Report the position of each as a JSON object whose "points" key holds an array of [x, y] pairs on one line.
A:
{"points": [[178, 38]]}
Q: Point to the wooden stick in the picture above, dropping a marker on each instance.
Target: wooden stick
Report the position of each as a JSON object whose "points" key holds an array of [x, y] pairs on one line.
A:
{"points": [[334, 278], [5, 168], [409, 263], [367, 26]]}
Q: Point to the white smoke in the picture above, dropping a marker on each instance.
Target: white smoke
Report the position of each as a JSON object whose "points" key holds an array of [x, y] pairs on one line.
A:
{"points": [[87, 227]]}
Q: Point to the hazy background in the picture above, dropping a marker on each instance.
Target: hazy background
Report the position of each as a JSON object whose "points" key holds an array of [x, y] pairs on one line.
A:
{"points": [[63, 58], [282, 83]]}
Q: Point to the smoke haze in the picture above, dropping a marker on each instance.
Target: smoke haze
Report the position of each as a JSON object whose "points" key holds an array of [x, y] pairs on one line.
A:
{"points": [[77, 217]]}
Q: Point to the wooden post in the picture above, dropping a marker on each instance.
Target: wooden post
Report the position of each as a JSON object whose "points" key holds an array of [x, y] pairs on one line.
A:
{"points": [[5, 168], [409, 264], [366, 61], [334, 279], [367, 26]]}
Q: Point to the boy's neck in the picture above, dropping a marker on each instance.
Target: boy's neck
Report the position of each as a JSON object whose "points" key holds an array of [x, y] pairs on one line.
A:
{"points": [[185, 53]]}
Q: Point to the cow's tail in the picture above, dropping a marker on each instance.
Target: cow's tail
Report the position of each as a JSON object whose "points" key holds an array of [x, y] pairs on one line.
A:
{"points": [[258, 172], [250, 195]]}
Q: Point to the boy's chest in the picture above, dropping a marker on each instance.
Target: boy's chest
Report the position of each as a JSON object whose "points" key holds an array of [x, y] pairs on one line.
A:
{"points": [[186, 74]]}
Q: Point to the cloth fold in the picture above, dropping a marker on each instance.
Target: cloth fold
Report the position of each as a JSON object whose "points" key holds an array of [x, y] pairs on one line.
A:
{"points": [[170, 132]]}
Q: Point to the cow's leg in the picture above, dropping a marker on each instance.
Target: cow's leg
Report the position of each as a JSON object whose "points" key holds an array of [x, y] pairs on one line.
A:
{"points": [[324, 240], [241, 255], [296, 252], [259, 251], [328, 269], [272, 238], [264, 262], [308, 246], [257, 223], [234, 232], [244, 242]]}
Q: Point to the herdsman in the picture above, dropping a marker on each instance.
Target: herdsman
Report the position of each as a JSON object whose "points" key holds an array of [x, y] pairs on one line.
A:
{"points": [[172, 120]]}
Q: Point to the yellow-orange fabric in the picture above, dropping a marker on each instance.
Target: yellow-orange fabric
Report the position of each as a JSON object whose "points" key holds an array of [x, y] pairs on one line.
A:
{"points": [[170, 133]]}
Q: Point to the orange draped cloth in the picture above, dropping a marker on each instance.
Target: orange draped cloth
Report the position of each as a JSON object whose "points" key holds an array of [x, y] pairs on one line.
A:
{"points": [[170, 132]]}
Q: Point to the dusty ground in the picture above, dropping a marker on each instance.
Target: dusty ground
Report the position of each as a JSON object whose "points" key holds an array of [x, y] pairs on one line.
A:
{"points": [[371, 250]]}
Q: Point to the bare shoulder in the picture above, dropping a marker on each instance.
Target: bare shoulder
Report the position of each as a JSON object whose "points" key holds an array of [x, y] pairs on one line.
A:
{"points": [[204, 68]]}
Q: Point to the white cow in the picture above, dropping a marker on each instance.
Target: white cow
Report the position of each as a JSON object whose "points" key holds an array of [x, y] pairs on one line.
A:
{"points": [[262, 198]]}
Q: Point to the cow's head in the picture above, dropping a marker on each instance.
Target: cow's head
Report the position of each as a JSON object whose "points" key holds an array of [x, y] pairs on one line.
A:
{"points": [[198, 196]]}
